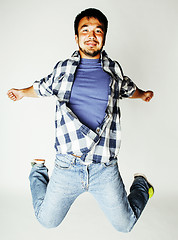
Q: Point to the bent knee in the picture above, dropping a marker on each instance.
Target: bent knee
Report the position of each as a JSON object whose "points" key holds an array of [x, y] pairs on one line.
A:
{"points": [[124, 229], [49, 224], [125, 226]]}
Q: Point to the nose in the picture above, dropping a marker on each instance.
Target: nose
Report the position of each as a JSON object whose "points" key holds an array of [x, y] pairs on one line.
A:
{"points": [[92, 35]]}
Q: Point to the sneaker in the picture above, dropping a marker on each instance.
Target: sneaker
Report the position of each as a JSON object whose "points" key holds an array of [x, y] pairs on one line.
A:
{"points": [[38, 162], [151, 188]]}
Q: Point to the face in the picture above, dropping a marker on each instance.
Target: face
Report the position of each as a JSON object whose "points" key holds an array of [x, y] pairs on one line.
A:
{"points": [[90, 37]]}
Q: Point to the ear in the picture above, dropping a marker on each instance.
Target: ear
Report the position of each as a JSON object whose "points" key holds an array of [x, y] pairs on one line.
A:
{"points": [[76, 39]]}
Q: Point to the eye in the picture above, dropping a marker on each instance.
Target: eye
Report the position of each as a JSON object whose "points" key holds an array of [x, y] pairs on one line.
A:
{"points": [[85, 30], [99, 31]]}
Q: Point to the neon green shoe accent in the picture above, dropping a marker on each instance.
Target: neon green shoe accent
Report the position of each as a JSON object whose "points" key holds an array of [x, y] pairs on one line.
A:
{"points": [[151, 192]]}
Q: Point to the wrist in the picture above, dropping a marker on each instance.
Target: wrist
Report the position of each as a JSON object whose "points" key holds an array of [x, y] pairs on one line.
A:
{"points": [[23, 92], [28, 92], [141, 94], [138, 93]]}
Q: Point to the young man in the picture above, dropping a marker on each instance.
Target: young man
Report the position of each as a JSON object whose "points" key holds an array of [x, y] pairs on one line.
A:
{"points": [[87, 87]]}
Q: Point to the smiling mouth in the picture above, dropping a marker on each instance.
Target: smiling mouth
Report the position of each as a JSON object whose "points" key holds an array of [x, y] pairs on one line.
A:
{"points": [[91, 43]]}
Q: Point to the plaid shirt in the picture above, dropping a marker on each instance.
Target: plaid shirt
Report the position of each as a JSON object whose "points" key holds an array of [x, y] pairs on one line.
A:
{"points": [[73, 137]]}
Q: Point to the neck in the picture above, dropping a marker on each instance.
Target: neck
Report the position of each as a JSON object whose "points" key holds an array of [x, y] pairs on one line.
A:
{"points": [[83, 55]]}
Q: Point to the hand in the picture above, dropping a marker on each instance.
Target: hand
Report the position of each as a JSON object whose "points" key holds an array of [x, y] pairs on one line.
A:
{"points": [[147, 96], [15, 94]]}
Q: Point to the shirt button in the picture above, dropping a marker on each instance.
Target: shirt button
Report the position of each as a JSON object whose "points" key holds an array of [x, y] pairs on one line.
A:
{"points": [[98, 130]]}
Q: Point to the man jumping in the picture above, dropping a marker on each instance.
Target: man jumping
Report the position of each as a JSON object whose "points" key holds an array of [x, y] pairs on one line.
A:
{"points": [[88, 87]]}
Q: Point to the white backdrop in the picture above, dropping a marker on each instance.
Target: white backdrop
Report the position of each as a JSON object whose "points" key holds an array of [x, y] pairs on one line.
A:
{"points": [[143, 37]]}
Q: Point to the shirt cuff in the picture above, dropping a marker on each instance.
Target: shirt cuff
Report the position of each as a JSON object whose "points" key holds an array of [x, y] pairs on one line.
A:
{"points": [[36, 88]]}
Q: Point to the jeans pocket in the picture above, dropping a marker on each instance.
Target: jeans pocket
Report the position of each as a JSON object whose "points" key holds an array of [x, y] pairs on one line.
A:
{"points": [[63, 161], [110, 164]]}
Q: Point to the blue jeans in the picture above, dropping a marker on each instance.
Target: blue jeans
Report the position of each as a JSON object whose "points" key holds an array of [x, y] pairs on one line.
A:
{"points": [[70, 178]]}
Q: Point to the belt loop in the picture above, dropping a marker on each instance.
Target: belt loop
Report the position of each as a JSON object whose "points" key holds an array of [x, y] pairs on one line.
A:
{"points": [[80, 159], [73, 162]]}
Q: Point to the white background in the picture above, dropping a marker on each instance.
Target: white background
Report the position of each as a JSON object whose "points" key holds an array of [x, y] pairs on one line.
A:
{"points": [[143, 37]]}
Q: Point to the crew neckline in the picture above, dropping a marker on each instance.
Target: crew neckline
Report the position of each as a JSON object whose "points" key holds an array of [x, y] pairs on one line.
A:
{"points": [[90, 61]]}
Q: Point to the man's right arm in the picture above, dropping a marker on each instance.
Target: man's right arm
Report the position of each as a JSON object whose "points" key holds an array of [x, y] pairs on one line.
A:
{"points": [[17, 94], [46, 87]]}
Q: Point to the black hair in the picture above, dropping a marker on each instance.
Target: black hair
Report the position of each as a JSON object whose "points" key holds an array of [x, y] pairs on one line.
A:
{"points": [[91, 12]]}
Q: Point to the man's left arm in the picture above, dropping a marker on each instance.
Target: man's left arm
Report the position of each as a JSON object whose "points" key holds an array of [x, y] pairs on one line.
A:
{"points": [[144, 95]]}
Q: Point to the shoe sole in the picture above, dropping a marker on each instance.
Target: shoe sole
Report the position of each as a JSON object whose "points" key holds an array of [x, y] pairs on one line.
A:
{"points": [[37, 161]]}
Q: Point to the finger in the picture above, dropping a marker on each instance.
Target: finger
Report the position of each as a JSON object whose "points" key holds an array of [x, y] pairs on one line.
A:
{"points": [[151, 94], [10, 91], [147, 99], [12, 97], [10, 94]]}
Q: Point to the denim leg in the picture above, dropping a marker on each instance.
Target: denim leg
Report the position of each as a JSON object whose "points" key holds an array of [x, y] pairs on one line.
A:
{"points": [[53, 198], [138, 196], [107, 187], [38, 183]]}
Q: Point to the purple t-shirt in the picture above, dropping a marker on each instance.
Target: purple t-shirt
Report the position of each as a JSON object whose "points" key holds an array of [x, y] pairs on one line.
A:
{"points": [[90, 90]]}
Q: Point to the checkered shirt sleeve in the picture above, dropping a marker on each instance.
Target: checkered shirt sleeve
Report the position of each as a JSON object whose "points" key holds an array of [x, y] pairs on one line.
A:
{"points": [[127, 88], [49, 85]]}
